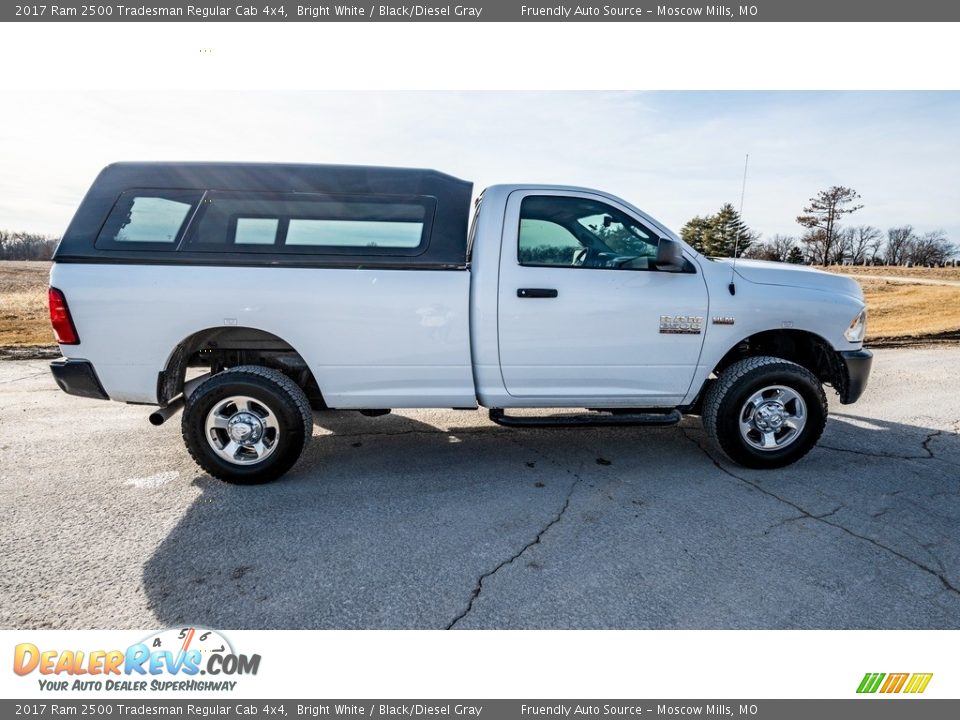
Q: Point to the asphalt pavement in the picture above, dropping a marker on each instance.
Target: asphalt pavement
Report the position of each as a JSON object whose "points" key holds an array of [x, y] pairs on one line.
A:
{"points": [[439, 519]]}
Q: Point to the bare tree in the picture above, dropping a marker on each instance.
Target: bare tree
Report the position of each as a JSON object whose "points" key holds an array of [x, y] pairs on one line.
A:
{"points": [[777, 248], [781, 246], [899, 245], [822, 217], [932, 249], [846, 237], [857, 241], [875, 248], [815, 248], [949, 250], [759, 251], [26, 246]]}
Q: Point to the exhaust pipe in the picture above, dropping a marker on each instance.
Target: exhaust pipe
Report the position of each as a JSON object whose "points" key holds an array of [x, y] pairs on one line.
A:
{"points": [[160, 416]]}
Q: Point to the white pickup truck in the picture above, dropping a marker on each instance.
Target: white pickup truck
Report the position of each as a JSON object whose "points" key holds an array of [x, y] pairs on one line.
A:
{"points": [[251, 294]]}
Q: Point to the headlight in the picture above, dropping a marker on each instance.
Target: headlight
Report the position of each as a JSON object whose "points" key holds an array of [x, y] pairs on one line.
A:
{"points": [[858, 328]]}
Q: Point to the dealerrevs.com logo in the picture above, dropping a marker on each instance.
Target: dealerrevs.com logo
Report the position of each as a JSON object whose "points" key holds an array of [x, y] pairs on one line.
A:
{"points": [[173, 659], [910, 683]]}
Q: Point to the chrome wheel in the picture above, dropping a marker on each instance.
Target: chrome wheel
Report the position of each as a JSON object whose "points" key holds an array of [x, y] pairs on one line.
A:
{"points": [[242, 430], [772, 418]]}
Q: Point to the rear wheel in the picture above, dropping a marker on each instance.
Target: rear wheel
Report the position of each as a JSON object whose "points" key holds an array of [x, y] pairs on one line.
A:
{"points": [[765, 412], [247, 425]]}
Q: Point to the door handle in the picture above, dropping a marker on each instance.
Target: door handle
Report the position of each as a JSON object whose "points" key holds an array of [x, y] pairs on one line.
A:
{"points": [[536, 293]]}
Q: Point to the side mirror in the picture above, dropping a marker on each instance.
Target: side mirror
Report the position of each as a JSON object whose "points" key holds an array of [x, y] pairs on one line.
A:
{"points": [[670, 256]]}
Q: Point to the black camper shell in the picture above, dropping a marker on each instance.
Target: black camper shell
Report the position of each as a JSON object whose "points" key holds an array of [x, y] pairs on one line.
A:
{"points": [[261, 214]]}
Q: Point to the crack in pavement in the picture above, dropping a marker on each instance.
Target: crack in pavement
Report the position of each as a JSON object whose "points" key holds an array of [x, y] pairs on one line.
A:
{"points": [[928, 547], [925, 444], [837, 509], [478, 588], [868, 453], [939, 575], [25, 377]]}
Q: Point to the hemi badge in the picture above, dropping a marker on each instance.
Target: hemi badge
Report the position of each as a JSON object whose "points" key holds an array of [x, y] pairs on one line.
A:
{"points": [[723, 320]]}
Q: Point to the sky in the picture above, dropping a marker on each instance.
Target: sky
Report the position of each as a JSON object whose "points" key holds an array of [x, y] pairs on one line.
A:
{"points": [[673, 154]]}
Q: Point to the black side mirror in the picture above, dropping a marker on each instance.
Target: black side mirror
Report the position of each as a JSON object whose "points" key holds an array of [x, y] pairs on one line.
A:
{"points": [[670, 256]]}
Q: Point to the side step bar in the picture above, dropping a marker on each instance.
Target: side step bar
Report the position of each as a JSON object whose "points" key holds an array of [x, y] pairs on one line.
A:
{"points": [[652, 417]]}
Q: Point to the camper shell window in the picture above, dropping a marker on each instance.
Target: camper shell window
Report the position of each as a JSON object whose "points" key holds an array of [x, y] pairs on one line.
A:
{"points": [[311, 223], [148, 219]]}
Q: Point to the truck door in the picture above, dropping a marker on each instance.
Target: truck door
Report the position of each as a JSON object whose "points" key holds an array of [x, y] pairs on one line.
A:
{"points": [[584, 315]]}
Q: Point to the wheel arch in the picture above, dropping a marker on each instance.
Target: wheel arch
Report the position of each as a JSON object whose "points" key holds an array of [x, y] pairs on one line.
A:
{"points": [[803, 347], [231, 346]]}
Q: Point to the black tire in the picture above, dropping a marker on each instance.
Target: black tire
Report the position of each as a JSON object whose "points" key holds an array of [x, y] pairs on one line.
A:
{"points": [[728, 396], [271, 389]]}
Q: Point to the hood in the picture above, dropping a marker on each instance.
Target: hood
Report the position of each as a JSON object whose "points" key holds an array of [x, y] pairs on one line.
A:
{"points": [[764, 272]]}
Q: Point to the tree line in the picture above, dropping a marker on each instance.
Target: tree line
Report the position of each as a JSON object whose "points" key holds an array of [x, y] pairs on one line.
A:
{"points": [[26, 246], [825, 239]]}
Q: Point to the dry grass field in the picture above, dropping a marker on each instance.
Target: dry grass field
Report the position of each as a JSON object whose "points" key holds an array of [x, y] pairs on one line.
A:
{"points": [[900, 312], [905, 313], [947, 273], [24, 320]]}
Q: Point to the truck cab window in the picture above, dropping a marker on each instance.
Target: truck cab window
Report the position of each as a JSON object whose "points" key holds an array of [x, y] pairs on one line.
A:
{"points": [[543, 242], [579, 232]]}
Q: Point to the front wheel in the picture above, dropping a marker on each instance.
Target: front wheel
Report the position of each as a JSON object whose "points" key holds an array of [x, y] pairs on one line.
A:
{"points": [[247, 425], [765, 412]]}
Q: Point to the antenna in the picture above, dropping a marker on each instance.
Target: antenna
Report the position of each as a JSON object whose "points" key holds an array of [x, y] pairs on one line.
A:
{"points": [[736, 245]]}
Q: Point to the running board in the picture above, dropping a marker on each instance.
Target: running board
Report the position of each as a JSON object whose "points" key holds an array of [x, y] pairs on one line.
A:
{"points": [[670, 417]]}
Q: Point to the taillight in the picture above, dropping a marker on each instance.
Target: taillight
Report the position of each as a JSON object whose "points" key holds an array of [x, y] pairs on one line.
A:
{"points": [[63, 329]]}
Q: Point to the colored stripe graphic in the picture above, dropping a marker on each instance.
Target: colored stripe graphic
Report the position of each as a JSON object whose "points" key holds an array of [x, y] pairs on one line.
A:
{"points": [[894, 682], [870, 682], [918, 682]]}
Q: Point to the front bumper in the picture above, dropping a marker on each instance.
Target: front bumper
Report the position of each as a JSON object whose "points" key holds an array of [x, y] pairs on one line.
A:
{"points": [[855, 368], [77, 377]]}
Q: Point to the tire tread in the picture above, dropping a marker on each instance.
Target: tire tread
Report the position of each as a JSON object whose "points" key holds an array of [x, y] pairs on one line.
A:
{"points": [[293, 391], [733, 375]]}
